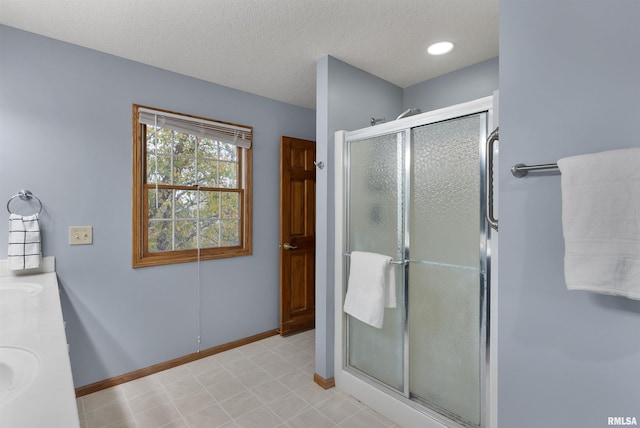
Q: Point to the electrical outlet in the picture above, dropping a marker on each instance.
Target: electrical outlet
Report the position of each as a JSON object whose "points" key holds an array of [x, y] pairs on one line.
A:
{"points": [[80, 235]]}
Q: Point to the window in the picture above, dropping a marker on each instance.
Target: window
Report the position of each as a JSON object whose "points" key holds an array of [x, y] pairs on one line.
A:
{"points": [[191, 188]]}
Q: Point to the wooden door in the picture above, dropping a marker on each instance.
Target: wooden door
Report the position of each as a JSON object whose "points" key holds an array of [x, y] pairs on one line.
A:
{"points": [[297, 235]]}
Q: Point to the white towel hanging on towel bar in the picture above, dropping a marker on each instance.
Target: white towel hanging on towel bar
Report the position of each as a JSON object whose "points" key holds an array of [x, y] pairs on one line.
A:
{"points": [[371, 287], [601, 222]]}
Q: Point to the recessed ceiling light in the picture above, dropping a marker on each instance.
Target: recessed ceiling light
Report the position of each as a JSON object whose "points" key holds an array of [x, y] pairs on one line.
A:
{"points": [[440, 48]]}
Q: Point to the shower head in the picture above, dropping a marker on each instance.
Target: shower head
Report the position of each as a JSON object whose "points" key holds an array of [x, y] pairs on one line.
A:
{"points": [[409, 112]]}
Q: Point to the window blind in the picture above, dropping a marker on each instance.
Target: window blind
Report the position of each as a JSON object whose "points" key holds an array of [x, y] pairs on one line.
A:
{"points": [[231, 134]]}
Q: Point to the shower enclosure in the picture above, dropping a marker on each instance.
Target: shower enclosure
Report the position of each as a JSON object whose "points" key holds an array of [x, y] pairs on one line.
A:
{"points": [[414, 190]]}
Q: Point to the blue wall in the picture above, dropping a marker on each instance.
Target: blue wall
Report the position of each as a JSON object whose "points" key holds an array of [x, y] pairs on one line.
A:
{"points": [[569, 84], [65, 134], [466, 84], [347, 98]]}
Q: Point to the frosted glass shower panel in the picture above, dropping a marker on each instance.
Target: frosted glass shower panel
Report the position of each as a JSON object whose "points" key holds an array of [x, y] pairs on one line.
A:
{"points": [[375, 174], [375, 225], [444, 337], [444, 277], [445, 187]]}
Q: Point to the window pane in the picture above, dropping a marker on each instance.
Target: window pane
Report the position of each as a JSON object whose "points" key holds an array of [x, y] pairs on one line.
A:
{"points": [[230, 233], [184, 144], [186, 203], [186, 234], [228, 152], [160, 236], [208, 172], [159, 141], [230, 205], [207, 148], [184, 171], [159, 172], [162, 208], [151, 176], [209, 205], [209, 233], [228, 174]]}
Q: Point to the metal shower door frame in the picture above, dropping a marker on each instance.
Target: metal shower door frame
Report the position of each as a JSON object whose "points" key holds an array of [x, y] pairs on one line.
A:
{"points": [[483, 107]]}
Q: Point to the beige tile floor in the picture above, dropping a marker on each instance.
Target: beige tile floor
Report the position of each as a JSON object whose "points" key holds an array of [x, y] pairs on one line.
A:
{"points": [[264, 384]]}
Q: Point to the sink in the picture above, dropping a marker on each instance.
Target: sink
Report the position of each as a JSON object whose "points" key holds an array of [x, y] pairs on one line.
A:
{"points": [[14, 292], [18, 369]]}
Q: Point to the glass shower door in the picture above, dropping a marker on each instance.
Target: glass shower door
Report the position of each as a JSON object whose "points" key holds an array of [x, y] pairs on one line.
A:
{"points": [[375, 225], [416, 194], [445, 269]]}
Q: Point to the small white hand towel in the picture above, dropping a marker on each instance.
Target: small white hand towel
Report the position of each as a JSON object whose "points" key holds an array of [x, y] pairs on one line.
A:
{"points": [[371, 287], [601, 222], [24, 250]]}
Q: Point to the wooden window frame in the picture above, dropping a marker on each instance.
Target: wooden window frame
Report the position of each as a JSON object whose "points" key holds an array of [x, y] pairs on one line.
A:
{"points": [[141, 257]]}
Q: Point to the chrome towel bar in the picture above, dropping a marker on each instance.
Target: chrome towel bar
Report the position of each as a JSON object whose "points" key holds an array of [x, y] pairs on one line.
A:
{"points": [[427, 263], [393, 262], [521, 170]]}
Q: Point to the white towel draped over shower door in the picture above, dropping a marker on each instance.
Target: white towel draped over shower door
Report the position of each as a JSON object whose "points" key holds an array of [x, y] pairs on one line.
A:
{"points": [[371, 287], [24, 250], [601, 222]]}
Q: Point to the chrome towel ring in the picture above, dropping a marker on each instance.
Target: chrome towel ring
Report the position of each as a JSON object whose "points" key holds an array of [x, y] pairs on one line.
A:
{"points": [[24, 195]]}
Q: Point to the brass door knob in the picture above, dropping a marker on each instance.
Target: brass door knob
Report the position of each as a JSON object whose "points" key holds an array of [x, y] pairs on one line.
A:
{"points": [[288, 246]]}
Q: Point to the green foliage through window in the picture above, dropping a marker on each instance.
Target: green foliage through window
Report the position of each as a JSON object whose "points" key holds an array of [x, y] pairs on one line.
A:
{"points": [[196, 201]]}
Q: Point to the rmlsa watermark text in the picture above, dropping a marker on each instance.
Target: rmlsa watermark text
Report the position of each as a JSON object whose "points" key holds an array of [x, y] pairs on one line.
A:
{"points": [[622, 420]]}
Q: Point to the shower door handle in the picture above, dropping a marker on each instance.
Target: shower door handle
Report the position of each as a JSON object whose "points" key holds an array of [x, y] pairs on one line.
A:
{"points": [[493, 137]]}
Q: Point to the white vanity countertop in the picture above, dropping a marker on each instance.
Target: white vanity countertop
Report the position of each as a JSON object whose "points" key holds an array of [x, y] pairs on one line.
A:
{"points": [[31, 325]]}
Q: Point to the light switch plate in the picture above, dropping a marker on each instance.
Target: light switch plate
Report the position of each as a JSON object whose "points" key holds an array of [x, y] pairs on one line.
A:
{"points": [[80, 235]]}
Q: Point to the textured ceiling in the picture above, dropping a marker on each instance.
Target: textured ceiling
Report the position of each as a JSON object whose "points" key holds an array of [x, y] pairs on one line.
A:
{"points": [[270, 47]]}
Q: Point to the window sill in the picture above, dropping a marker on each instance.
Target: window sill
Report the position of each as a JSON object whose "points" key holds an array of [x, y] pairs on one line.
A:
{"points": [[159, 259]]}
